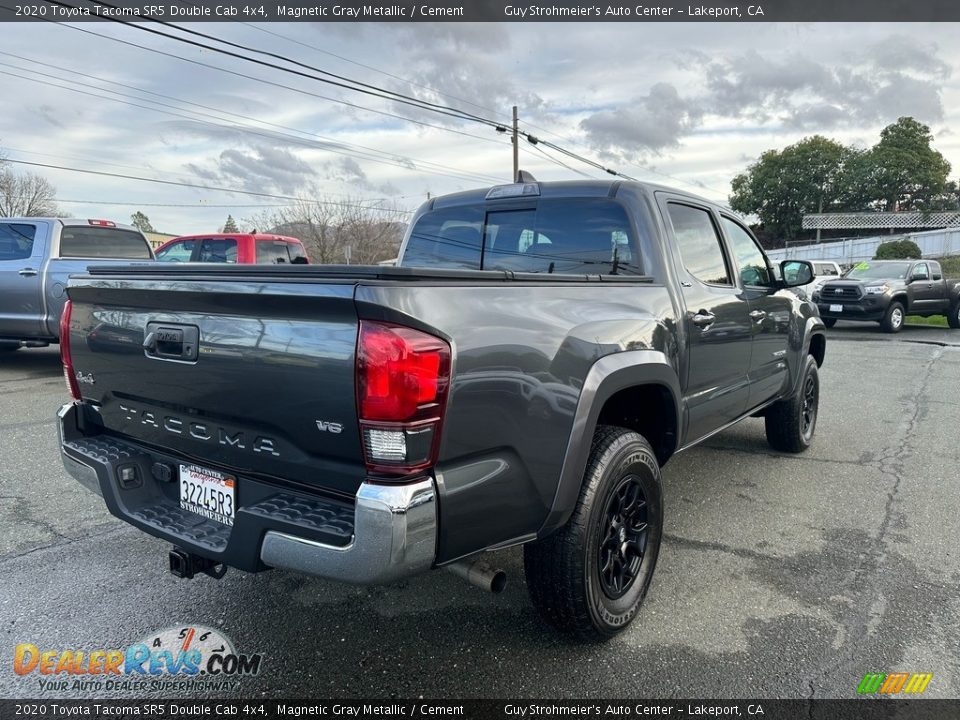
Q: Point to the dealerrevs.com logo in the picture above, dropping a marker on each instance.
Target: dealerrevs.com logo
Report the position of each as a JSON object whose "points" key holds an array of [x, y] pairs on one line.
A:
{"points": [[894, 683], [187, 657]]}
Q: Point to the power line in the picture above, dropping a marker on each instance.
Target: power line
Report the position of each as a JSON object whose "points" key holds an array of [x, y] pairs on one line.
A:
{"points": [[691, 183], [206, 187], [365, 88], [340, 81], [264, 81], [240, 128], [409, 82]]}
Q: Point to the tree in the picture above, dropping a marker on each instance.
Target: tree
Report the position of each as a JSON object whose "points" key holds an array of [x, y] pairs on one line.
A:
{"points": [[901, 172], [141, 222], [331, 230], [26, 195], [230, 226], [784, 185], [898, 250]]}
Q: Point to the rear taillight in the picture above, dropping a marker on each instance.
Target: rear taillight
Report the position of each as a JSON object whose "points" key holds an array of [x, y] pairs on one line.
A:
{"points": [[68, 374], [402, 380]]}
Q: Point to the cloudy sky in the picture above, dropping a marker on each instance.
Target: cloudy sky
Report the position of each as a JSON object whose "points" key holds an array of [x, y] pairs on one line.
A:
{"points": [[684, 104]]}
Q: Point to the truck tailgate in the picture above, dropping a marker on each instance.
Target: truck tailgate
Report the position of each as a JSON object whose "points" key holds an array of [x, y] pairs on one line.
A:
{"points": [[267, 391]]}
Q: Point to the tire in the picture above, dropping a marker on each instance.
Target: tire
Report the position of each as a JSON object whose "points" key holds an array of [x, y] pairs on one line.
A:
{"points": [[791, 423], [577, 577], [829, 322], [953, 317], [893, 319]]}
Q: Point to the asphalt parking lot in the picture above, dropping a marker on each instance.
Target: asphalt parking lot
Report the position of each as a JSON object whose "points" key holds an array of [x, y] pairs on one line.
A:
{"points": [[780, 576]]}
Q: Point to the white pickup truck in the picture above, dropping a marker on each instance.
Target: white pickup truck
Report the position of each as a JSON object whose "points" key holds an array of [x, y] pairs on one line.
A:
{"points": [[37, 255]]}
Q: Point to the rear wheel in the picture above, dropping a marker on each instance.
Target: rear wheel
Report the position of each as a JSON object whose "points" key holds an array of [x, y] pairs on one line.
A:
{"points": [[790, 423], [953, 317], [893, 320], [829, 322], [590, 577]]}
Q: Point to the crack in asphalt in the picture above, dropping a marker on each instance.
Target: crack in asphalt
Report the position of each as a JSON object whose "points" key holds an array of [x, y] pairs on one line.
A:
{"points": [[890, 464], [65, 541]]}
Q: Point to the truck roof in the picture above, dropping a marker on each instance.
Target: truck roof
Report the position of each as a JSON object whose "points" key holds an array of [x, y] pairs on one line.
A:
{"points": [[566, 189], [71, 222]]}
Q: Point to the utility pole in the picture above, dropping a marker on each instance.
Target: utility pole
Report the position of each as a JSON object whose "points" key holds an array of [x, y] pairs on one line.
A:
{"points": [[516, 148]]}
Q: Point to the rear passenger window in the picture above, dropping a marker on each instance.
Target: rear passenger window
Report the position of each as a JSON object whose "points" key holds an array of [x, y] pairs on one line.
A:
{"points": [[78, 241], [272, 252], [218, 250], [16, 241], [935, 273], [699, 244]]}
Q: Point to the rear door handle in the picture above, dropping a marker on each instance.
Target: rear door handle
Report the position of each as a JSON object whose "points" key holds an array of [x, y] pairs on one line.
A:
{"points": [[703, 319], [27, 272], [758, 315]]}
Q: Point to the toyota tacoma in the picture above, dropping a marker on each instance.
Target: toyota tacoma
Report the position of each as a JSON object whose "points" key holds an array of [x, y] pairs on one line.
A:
{"points": [[887, 291], [521, 378]]}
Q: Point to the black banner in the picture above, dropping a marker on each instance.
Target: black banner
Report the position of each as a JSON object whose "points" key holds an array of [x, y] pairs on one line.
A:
{"points": [[481, 11], [864, 709]]}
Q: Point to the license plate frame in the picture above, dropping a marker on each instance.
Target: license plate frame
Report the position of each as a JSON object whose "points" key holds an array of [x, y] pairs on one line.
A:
{"points": [[207, 493], [836, 308]]}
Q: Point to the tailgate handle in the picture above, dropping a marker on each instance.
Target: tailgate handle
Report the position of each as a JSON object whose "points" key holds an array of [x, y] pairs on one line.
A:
{"points": [[166, 341]]}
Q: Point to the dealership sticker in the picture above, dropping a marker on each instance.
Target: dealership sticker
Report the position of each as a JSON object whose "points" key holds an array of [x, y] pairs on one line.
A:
{"points": [[182, 658]]}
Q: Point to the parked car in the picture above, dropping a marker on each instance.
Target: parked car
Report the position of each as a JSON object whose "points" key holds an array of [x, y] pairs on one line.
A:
{"points": [[37, 255], [240, 248], [887, 291], [538, 355]]}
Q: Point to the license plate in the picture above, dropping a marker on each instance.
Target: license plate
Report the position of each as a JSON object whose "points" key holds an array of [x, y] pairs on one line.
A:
{"points": [[207, 493], [836, 308]]}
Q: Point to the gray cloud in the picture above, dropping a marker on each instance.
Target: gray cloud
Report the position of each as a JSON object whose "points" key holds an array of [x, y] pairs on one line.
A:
{"points": [[347, 170], [262, 168], [649, 123], [894, 77]]}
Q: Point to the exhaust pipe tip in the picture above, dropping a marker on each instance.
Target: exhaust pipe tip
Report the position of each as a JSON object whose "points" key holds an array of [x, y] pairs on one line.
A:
{"points": [[477, 572]]}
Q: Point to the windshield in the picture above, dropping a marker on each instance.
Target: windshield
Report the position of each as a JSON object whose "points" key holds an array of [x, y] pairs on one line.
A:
{"points": [[869, 271]]}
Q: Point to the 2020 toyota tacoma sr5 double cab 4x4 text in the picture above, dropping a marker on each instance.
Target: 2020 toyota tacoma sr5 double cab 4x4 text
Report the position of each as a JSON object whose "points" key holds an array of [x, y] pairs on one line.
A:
{"points": [[887, 291], [538, 355]]}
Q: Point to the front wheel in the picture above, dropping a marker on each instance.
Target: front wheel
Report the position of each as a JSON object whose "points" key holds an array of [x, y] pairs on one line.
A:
{"points": [[893, 320], [590, 577], [953, 317], [790, 423]]}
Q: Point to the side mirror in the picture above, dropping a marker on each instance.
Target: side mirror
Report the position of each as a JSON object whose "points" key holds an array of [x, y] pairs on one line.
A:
{"points": [[796, 272]]}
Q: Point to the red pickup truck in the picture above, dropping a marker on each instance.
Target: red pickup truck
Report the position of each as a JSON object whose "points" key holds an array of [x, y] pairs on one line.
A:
{"points": [[241, 248]]}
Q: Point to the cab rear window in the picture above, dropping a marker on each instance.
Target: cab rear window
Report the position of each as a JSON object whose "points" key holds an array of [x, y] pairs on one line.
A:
{"points": [[570, 236], [100, 242]]}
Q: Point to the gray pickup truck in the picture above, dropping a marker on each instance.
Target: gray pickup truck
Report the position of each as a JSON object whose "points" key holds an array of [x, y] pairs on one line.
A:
{"points": [[520, 379], [887, 291], [37, 255]]}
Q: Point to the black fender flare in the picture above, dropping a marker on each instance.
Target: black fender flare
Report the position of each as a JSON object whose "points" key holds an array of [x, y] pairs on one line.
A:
{"points": [[814, 327], [607, 376]]}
